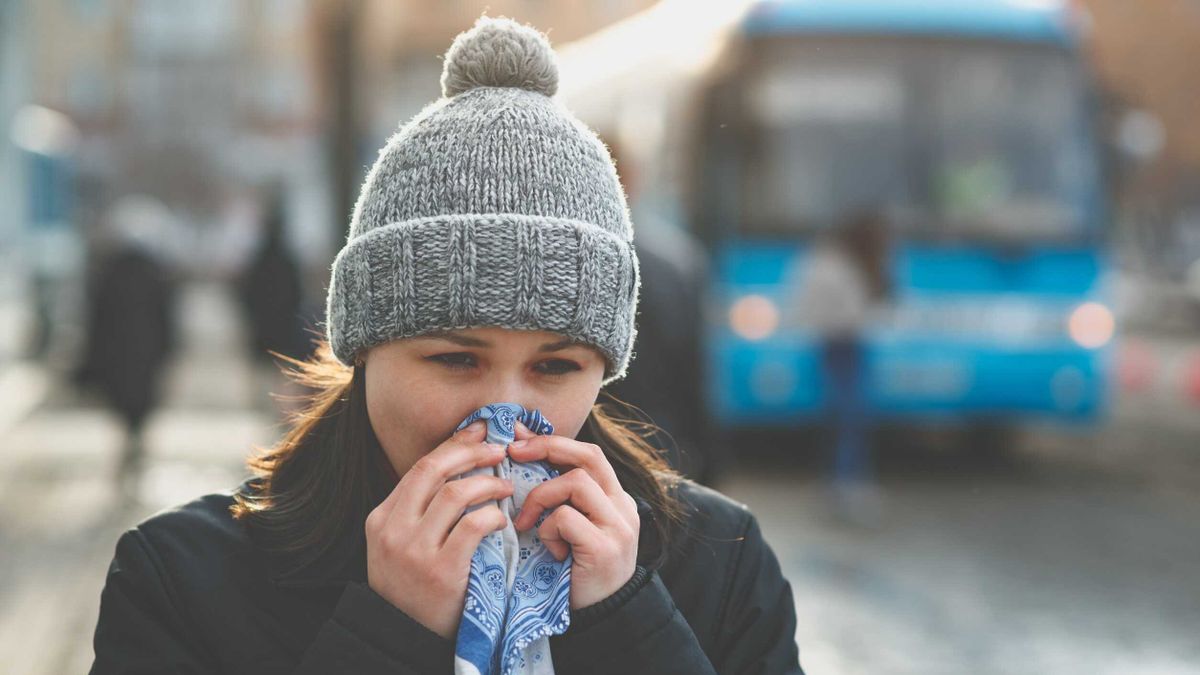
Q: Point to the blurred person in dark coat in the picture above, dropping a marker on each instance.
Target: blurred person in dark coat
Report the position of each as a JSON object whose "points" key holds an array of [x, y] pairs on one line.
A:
{"points": [[666, 377], [272, 297], [131, 329]]}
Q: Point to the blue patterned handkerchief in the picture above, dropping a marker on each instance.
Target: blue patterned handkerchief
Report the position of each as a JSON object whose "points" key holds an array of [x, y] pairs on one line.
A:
{"points": [[518, 595]]}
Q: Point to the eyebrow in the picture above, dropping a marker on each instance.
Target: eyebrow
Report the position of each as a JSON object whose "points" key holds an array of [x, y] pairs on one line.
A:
{"points": [[467, 341]]}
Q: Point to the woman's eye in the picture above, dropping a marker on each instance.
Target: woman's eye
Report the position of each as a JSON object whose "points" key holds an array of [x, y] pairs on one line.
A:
{"points": [[458, 361], [558, 367]]}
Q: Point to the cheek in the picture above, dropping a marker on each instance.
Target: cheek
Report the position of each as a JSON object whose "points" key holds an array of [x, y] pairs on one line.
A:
{"points": [[409, 421], [569, 410]]}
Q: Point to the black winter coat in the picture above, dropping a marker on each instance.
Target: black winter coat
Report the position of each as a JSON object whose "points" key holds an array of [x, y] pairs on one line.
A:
{"points": [[189, 592], [131, 332]]}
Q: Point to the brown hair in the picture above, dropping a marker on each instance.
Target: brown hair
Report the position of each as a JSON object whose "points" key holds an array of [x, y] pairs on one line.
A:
{"points": [[328, 470], [864, 236]]}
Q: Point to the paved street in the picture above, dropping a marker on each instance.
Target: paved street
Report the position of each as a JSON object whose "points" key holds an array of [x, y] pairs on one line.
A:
{"points": [[1036, 570], [1079, 554], [59, 512]]}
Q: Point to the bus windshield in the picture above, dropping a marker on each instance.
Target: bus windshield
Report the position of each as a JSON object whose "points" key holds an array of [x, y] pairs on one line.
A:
{"points": [[951, 139]]}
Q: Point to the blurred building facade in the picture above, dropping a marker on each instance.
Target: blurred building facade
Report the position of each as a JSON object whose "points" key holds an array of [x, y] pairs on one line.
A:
{"points": [[1145, 54], [200, 105], [403, 41], [185, 103]]}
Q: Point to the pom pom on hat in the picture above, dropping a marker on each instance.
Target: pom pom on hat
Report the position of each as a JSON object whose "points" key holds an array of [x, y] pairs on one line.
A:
{"points": [[499, 52], [493, 206]]}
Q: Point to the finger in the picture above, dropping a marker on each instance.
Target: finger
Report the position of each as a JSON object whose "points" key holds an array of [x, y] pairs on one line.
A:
{"points": [[575, 487], [470, 530], [462, 452], [450, 503], [565, 529], [523, 432], [569, 452], [629, 505]]}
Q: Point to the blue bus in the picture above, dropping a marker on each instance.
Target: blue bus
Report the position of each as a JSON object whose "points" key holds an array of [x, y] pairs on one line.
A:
{"points": [[971, 127]]}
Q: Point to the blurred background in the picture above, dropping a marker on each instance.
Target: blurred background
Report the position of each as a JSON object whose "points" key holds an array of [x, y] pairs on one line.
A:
{"points": [[921, 278]]}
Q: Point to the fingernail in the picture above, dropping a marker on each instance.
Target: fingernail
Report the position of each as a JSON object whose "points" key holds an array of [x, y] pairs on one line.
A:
{"points": [[518, 444], [496, 448]]}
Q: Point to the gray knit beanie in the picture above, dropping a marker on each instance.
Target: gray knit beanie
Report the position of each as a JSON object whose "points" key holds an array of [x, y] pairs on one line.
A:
{"points": [[493, 206]]}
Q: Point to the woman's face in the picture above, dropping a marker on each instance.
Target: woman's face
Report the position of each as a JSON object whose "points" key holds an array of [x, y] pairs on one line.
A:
{"points": [[419, 389]]}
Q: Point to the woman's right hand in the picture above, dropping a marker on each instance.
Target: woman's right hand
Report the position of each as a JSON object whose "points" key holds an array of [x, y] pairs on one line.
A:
{"points": [[419, 543]]}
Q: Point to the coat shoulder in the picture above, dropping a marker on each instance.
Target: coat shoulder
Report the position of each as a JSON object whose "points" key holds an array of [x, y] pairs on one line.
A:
{"points": [[704, 569], [196, 569], [712, 530], [198, 546], [712, 512], [203, 521]]}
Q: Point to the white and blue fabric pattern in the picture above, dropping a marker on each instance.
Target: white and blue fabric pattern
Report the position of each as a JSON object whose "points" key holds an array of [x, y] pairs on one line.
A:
{"points": [[518, 595]]}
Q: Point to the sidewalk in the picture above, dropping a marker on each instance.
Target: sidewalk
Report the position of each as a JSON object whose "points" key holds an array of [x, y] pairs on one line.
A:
{"points": [[60, 514], [23, 384], [23, 387]]}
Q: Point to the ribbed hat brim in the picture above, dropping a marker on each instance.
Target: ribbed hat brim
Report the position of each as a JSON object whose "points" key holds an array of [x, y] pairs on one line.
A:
{"points": [[466, 270]]}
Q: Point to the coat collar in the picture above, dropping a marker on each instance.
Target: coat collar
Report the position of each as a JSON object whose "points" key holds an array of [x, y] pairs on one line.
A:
{"points": [[344, 561]]}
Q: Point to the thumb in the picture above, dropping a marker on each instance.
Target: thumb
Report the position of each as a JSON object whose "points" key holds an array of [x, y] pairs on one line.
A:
{"points": [[523, 432], [475, 432]]}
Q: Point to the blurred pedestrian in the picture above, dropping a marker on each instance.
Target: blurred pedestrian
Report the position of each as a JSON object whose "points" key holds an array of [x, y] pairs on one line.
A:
{"points": [[131, 329], [841, 285], [271, 297], [665, 380]]}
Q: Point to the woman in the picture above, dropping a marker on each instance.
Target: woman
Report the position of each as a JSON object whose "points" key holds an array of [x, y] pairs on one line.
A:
{"points": [[489, 259], [845, 282]]}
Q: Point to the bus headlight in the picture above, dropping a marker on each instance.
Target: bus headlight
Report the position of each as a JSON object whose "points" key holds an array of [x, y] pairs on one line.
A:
{"points": [[1091, 325], [753, 317]]}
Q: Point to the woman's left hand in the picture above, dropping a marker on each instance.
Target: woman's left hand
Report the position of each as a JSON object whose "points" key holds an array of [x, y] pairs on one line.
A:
{"points": [[595, 518]]}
